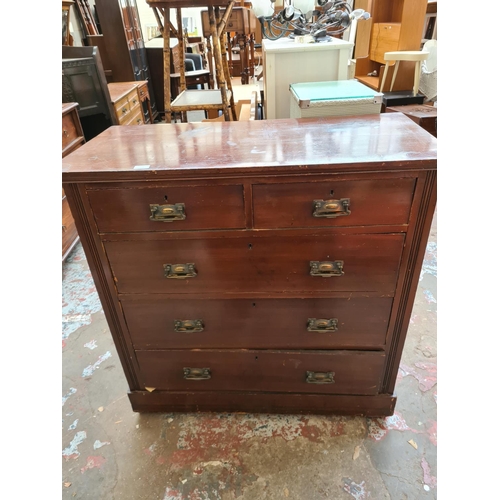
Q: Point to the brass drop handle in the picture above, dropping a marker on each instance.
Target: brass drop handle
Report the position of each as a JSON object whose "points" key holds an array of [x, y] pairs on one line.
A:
{"points": [[322, 325], [179, 271], [331, 208], [124, 110], [188, 325], [320, 377], [197, 373], [167, 213], [326, 269], [65, 132]]}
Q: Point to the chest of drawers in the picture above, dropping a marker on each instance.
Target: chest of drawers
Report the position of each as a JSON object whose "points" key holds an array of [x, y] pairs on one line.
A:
{"points": [[260, 266], [127, 102]]}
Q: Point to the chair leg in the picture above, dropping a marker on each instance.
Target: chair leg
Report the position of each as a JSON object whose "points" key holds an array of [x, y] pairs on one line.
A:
{"points": [[396, 67], [416, 80]]}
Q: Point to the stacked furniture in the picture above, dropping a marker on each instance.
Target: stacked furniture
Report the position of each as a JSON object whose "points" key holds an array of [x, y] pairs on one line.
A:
{"points": [[127, 103], [280, 284], [126, 54]]}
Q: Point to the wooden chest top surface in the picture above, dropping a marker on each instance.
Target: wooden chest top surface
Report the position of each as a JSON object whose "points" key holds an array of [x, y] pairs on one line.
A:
{"points": [[389, 140]]}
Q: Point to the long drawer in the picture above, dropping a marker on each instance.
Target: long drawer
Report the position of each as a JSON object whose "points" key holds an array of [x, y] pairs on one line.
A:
{"points": [[172, 323], [204, 207], [333, 203], [336, 372], [353, 262]]}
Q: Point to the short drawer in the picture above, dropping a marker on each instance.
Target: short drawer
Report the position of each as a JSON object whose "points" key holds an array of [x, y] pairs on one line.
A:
{"points": [[135, 118], [369, 202], [204, 207], [133, 99], [122, 108], [143, 91], [179, 323], [337, 372], [257, 263]]}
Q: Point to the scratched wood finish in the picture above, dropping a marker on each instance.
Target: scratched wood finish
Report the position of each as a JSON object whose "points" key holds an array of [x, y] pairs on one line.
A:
{"points": [[355, 372], [372, 202], [371, 262], [206, 207], [257, 250], [256, 323], [385, 141]]}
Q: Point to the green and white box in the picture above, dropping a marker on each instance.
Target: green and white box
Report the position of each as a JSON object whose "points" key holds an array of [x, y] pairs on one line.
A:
{"points": [[337, 98]]}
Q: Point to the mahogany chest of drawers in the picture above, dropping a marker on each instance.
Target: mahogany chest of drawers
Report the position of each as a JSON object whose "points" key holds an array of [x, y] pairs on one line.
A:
{"points": [[258, 266]]}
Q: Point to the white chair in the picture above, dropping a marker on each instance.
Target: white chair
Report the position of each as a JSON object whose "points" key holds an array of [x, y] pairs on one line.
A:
{"points": [[428, 76], [404, 55]]}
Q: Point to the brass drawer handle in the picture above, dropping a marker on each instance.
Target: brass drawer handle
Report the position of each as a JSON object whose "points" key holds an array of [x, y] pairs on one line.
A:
{"points": [[197, 373], [65, 132], [188, 325], [167, 213], [322, 325], [124, 110], [331, 208], [320, 377], [179, 271], [327, 269]]}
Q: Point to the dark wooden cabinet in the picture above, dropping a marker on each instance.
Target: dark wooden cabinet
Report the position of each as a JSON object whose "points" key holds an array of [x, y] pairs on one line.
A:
{"points": [[126, 53], [258, 266]]}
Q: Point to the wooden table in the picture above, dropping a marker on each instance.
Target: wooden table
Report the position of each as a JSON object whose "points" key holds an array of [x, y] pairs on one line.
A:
{"points": [[217, 36]]}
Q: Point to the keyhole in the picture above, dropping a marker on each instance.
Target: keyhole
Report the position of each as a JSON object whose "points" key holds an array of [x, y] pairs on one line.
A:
{"points": [[256, 357], [249, 246], [331, 192], [166, 198], [253, 305]]}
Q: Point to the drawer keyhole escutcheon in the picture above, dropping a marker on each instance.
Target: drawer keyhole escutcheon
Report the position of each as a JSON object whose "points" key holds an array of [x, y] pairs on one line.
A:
{"points": [[179, 271], [320, 377], [326, 269], [331, 209], [197, 373], [322, 325], [188, 325], [167, 213]]}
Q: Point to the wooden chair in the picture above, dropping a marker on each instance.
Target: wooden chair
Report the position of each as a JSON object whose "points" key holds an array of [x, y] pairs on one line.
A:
{"points": [[193, 78], [404, 55]]}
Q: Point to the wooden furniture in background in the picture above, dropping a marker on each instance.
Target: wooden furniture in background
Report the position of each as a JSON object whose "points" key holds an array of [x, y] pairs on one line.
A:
{"points": [[197, 77], [422, 114], [396, 25], [72, 139], [241, 23], [182, 104], [283, 284], [84, 82], [122, 36], [67, 39], [127, 103]]}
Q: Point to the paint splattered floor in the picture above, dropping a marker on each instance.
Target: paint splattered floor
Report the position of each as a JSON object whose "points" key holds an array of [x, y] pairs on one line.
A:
{"points": [[110, 452]]}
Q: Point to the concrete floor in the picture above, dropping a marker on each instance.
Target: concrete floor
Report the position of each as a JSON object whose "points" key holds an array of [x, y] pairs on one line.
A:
{"points": [[110, 452]]}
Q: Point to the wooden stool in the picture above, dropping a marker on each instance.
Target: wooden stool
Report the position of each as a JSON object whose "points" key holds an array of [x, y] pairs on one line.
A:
{"points": [[404, 55], [217, 28]]}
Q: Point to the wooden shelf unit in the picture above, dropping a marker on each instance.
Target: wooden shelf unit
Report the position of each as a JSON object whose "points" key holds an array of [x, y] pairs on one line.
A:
{"points": [[395, 25]]}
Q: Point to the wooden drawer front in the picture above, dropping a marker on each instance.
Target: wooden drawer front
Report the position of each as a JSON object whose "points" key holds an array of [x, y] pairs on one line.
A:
{"points": [[205, 207], [371, 202], [69, 130], [355, 372], [136, 118], [69, 232], [134, 101], [385, 38], [257, 323], [143, 92], [122, 108], [257, 264]]}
